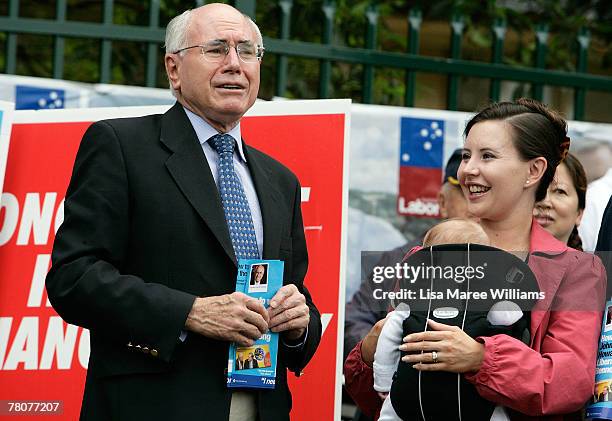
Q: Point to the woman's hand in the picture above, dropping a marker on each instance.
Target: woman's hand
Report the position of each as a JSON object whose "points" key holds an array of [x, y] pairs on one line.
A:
{"points": [[368, 344], [444, 348]]}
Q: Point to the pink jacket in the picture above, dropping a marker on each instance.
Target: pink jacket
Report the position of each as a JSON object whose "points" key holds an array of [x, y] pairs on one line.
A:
{"points": [[555, 375]]}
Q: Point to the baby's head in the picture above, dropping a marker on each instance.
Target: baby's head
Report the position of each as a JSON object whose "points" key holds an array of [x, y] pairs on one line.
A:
{"points": [[456, 231]]}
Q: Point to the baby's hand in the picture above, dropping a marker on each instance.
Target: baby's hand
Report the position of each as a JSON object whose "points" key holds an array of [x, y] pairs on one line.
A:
{"points": [[368, 345]]}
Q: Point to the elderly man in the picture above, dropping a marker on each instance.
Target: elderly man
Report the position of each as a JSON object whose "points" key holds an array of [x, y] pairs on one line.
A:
{"points": [[147, 255], [363, 311], [257, 275]]}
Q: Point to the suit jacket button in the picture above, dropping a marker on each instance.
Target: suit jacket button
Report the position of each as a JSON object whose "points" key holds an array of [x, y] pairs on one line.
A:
{"points": [[154, 352]]}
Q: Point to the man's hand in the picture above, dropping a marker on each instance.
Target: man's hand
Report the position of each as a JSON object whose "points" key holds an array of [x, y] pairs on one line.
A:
{"points": [[289, 313], [234, 317]]}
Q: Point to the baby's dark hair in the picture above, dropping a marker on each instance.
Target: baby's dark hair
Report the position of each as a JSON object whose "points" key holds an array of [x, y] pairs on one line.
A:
{"points": [[537, 131]]}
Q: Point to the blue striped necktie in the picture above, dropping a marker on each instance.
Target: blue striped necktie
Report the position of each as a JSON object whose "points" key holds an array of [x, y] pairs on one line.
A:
{"points": [[234, 201]]}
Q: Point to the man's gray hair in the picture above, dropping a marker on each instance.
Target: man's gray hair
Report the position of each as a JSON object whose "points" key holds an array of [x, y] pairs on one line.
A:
{"points": [[176, 31], [259, 39]]}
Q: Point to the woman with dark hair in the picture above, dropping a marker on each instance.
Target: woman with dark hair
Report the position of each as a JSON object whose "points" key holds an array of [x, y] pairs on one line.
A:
{"points": [[561, 210], [510, 155]]}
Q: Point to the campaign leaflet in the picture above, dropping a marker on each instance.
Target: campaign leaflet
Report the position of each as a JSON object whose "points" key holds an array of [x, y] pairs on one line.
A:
{"points": [[255, 366], [601, 403]]}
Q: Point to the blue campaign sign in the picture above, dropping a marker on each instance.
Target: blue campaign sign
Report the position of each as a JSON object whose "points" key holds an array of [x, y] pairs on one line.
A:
{"points": [[600, 406], [36, 98], [421, 142]]}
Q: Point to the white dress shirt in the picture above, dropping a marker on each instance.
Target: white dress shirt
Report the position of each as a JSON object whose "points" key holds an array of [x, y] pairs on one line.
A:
{"points": [[205, 131], [597, 197]]}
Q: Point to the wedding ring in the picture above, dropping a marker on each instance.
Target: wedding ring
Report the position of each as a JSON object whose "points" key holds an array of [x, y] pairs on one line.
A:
{"points": [[434, 356]]}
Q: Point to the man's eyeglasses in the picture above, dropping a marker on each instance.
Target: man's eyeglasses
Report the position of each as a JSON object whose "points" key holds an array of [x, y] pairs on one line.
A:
{"points": [[215, 51]]}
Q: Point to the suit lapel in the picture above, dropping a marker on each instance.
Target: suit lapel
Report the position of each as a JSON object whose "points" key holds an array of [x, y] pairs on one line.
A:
{"points": [[269, 203], [189, 169]]}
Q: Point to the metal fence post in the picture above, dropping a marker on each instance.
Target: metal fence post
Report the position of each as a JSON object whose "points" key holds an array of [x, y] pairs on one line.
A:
{"points": [[58, 42], [11, 41], [370, 44], [583, 39], [281, 62], [246, 6], [499, 33], [457, 25], [329, 9], [59, 29], [414, 27], [540, 62], [152, 47], [105, 54]]}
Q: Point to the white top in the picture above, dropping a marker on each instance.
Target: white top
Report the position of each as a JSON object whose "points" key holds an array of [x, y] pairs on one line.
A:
{"points": [[597, 197]]}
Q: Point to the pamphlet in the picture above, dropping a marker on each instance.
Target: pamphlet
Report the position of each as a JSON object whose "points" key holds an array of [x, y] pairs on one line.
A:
{"points": [[600, 406], [255, 366]]}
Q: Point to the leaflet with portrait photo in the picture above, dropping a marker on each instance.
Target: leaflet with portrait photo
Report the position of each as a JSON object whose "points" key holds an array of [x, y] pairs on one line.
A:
{"points": [[600, 406], [255, 366]]}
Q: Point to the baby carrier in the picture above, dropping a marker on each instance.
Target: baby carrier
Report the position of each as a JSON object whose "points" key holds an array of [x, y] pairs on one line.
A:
{"points": [[494, 297]]}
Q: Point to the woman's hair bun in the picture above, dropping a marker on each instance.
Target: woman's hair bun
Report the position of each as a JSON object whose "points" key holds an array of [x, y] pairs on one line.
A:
{"points": [[556, 119]]}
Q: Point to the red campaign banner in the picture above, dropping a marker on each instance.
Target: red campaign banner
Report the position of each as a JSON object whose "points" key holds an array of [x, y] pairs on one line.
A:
{"points": [[39, 353], [42, 359]]}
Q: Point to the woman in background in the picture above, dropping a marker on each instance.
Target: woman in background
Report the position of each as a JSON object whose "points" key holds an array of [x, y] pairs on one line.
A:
{"points": [[561, 210]]}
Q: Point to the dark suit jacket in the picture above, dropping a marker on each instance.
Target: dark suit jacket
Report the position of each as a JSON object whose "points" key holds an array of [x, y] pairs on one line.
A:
{"points": [[144, 233], [239, 364], [251, 364], [604, 244]]}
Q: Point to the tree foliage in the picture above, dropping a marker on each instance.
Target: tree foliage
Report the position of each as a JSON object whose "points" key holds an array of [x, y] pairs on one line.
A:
{"points": [[563, 18]]}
